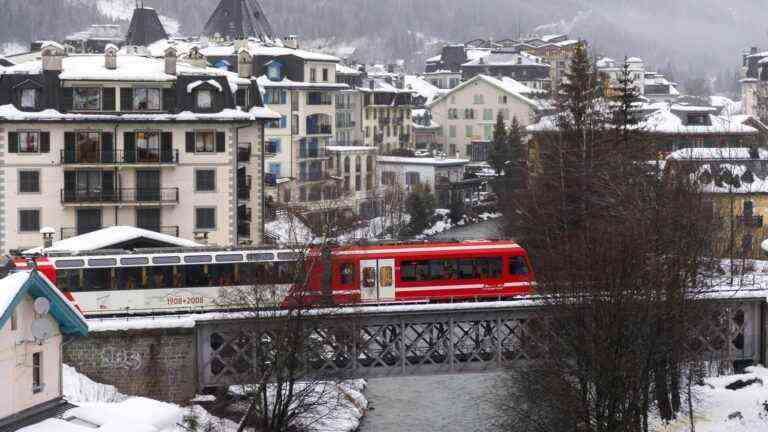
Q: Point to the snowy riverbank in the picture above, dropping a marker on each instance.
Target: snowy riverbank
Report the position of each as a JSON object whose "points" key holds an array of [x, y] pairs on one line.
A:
{"points": [[105, 407]]}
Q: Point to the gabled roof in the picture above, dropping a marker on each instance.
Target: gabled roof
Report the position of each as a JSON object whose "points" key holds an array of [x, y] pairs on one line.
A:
{"points": [[505, 86], [15, 286], [112, 238]]}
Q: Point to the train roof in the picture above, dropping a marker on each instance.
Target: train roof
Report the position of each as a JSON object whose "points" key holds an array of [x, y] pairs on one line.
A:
{"points": [[426, 247]]}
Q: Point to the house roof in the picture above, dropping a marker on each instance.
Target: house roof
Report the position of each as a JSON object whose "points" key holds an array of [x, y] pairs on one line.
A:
{"points": [[110, 238], [507, 85], [507, 59], [145, 28], [238, 18], [16, 285], [422, 161]]}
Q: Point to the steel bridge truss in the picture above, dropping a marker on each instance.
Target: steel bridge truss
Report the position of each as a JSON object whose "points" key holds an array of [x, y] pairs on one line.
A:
{"points": [[438, 342]]}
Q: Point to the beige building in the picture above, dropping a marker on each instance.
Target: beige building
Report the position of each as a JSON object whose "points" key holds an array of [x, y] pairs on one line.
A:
{"points": [[93, 141], [34, 319], [355, 168], [468, 113], [386, 115]]}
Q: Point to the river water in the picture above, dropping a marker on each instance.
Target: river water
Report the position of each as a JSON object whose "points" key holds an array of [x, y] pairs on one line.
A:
{"points": [[445, 403]]}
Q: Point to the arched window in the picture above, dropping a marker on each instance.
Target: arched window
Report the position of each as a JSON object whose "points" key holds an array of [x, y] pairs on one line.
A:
{"points": [[346, 164]]}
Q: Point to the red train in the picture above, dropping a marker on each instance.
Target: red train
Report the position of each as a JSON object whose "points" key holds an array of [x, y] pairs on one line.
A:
{"points": [[163, 280]]}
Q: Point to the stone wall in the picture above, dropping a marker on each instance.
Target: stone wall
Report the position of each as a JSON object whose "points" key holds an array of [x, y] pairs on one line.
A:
{"points": [[158, 363]]}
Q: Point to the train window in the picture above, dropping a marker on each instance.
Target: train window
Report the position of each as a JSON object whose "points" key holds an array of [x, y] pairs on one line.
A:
{"points": [[72, 263], [130, 278], [369, 277], [160, 277], [494, 268], [97, 280], [222, 275], [166, 260], [196, 276], [422, 271], [408, 271], [68, 280], [385, 276], [134, 261], [517, 266], [229, 258], [347, 273], [288, 256], [467, 269], [197, 259], [260, 257], [102, 262]]}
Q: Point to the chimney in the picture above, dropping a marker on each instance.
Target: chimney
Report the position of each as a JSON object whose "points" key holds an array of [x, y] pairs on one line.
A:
{"points": [[244, 63], [47, 233], [170, 60], [196, 58], [110, 57], [291, 41], [53, 56]]}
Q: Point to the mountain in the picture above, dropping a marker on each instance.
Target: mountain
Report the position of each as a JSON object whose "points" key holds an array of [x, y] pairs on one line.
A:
{"points": [[699, 37]]}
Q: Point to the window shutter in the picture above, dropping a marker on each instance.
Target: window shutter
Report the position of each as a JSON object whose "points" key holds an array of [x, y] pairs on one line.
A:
{"points": [[190, 142], [126, 99], [166, 147], [13, 142], [169, 100], [129, 146], [221, 146], [45, 142], [108, 93], [107, 147], [69, 98]]}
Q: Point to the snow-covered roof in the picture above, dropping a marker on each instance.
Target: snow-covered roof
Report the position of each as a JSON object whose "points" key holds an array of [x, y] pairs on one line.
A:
{"points": [[717, 153], [380, 85], [346, 70], [507, 59], [265, 82], [258, 49], [507, 85], [193, 85], [421, 161], [666, 121], [11, 113], [422, 87], [110, 236]]}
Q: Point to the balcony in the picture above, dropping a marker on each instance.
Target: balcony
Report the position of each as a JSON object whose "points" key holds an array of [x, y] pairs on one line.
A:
{"points": [[68, 232], [120, 157], [324, 129], [120, 196], [345, 125], [312, 176], [754, 221], [244, 187], [312, 153]]}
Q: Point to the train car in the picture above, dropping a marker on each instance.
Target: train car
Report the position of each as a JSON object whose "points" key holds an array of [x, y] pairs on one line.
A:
{"points": [[426, 272]]}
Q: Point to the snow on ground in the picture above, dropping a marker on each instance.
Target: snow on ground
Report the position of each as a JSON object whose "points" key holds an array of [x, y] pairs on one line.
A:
{"points": [[103, 405], [719, 409], [443, 222], [11, 48]]}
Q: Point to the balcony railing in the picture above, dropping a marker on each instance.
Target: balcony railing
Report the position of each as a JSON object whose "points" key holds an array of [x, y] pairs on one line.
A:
{"points": [[69, 232], [312, 153], [319, 130], [108, 196], [312, 176], [754, 221], [120, 157]]}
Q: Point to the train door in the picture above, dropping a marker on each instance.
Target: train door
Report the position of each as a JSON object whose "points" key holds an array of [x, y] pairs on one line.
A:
{"points": [[377, 279]]}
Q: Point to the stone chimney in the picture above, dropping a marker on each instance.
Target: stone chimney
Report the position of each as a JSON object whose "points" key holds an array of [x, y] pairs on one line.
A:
{"points": [[53, 56], [110, 57], [170, 60], [291, 41], [244, 63]]}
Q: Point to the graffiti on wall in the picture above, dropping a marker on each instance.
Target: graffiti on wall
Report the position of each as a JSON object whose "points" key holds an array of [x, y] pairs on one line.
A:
{"points": [[121, 359]]}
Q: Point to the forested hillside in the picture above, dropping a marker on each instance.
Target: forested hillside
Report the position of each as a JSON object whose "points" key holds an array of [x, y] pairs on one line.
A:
{"points": [[698, 36]]}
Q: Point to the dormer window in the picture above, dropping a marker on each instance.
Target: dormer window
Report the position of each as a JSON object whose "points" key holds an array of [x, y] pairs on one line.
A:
{"points": [[86, 99], [29, 98], [147, 99], [204, 99]]}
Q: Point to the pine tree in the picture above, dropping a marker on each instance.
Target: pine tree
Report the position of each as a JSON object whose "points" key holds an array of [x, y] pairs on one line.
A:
{"points": [[499, 152], [516, 168]]}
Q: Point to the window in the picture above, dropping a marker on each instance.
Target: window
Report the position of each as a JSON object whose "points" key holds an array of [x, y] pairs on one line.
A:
{"points": [[205, 142], [479, 99], [205, 218], [29, 220], [272, 146], [148, 146], [369, 277], [469, 113], [502, 99], [274, 96], [325, 74], [204, 99], [29, 98], [312, 75], [517, 266], [86, 98], [205, 180], [37, 372], [469, 131], [146, 99], [280, 123], [347, 273], [487, 132], [388, 178], [29, 142], [29, 181], [452, 131], [275, 168], [358, 183], [146, 218], [411, 178], [488, 114], [504, 112]]}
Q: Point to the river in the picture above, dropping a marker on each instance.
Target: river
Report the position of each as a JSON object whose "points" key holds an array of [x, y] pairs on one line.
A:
{"points": [[445, 403]]}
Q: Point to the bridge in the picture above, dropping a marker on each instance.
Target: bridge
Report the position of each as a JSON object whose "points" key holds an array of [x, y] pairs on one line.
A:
{"points": [[434, 339]]}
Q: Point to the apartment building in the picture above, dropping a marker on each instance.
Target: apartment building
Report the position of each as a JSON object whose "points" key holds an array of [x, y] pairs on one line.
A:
{"points": [[356, 169], [90, 141], [468, 113], [386, 115]]}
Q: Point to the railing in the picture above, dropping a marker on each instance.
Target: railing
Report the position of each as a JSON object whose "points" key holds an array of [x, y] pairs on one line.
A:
{"points": [[82, 196], [139, 156], [312, 176], [345, 125], [69, 232], [755, 221], [312, 153], [319, 130], [270, 148]]}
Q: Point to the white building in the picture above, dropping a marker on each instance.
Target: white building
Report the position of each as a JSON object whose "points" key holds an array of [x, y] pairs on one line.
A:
{"points": [[35, 320]]}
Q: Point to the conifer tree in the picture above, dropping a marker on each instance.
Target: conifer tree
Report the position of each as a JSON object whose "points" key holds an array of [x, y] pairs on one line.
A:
{"points": [[499, 152]]}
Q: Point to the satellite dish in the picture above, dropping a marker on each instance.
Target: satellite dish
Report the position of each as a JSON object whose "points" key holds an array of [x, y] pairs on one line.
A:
{"points": [[42, 305], [42, 330]]}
